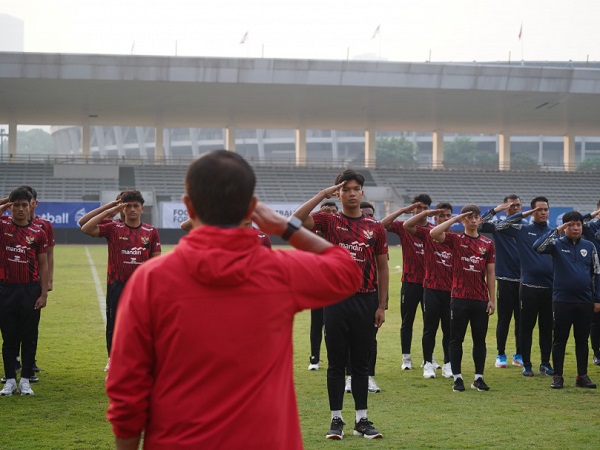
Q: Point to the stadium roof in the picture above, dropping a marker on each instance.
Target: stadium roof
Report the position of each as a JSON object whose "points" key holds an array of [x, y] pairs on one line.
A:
{"points": [[68, 89]]}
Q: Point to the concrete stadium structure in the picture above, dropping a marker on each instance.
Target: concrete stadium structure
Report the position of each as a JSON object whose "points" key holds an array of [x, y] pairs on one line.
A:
{"points": [[367, 99]]}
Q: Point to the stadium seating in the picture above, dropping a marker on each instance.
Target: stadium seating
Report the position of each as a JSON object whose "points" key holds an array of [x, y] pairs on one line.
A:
{"points": [[296, 184]]}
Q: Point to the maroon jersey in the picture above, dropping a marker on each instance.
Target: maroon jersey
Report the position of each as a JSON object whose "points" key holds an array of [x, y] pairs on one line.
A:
{"points": [[364, 238], [45, 225], [413, 253], [20, 247], [438, 262], [128, 248], [471, 257]]}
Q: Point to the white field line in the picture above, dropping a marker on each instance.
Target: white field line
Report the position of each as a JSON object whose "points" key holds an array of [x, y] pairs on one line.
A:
{"points": [[99, 291]]}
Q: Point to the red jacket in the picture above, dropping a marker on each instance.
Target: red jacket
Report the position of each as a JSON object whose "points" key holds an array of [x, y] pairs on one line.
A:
{"points": [[202, 350]]}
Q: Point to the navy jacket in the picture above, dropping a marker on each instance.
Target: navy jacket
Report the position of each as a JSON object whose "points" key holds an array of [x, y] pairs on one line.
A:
{"points": [[576, 268], [591, 229], [508, 264], [536, 269]]}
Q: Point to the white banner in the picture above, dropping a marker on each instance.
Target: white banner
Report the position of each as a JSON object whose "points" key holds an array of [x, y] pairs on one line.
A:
{"points": [[173, 214]]}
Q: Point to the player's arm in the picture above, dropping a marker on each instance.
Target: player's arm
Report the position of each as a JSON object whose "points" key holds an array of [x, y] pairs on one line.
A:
{"points": [[4, 206], [91, 227], [186, 225], [43, 270], [546, 242], [411, 224], [50, 253], [155, 242], [85, 219], [389, 219], [491, 285], [383, 279], [303, 212], [272, 223], [127, 444], [438, 233]]}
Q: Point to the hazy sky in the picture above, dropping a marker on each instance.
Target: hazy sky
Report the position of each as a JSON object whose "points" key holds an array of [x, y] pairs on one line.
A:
{"points": [[452, 30]]}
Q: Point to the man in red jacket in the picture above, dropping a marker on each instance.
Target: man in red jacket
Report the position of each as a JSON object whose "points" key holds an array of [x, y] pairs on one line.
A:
{"points": [[216, 310]]}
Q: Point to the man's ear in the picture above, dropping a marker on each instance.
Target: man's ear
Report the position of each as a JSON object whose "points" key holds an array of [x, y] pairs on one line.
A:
{"points": [[190, 208], [251, 208]]}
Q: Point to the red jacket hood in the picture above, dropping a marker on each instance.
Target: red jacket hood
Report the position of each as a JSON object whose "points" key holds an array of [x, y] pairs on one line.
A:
{"points": [[220, 256]]}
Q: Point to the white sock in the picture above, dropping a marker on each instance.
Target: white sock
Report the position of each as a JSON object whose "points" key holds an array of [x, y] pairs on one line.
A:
{"points": [[13, 380], [477, 375], [26, 379], [457, 376], [406, 355], [361, 414], [336, 414]]}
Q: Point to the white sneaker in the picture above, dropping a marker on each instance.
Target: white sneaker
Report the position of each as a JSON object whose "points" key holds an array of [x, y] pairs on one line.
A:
{"points": [[436, 366], [24, 387], [406, 362], [373, 385], [429, 370], [447, 370], [348, 387], [107, 365], [313, 366], [9, 388]]}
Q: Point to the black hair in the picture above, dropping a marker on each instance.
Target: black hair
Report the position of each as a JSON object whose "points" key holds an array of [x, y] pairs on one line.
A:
{"points": [[423, 198], [20, 193], [220, 184], [511, 197], [572, 216], [31, 190], [472, 209], [366, 205], [539, 199], [131, 195], [329, 203], [443, 205], [348, 175]]}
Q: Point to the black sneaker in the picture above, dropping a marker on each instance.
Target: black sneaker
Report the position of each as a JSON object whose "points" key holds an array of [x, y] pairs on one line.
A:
{"points": [[597, 360], [459, 385], [557, 382], [336, 431], [366, 429], [546, 369], [33, 379], [584, 382], [3, 380], [35, 368], [480, 385]]}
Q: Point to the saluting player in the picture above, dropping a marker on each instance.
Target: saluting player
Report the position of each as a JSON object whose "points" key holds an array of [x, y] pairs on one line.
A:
{"points": [[130, 243]]}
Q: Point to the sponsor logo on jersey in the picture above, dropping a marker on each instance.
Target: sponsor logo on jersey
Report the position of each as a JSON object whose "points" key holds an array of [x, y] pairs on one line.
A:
{"points": [[124, 238]]}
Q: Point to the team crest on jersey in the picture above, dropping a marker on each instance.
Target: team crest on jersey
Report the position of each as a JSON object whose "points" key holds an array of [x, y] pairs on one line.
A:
{"points": [[145, 240], [583, 252], [368, 234], [29, 240], [482, 250]]}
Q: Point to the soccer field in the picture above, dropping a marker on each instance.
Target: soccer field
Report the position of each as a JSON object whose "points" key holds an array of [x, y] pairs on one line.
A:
{"points": [[68, 410]]}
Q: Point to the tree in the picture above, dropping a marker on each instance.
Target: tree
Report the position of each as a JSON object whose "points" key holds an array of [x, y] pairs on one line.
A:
{"points": [[462, 153], [589, 165], [397, 152], [523, 161], [35, 142]]}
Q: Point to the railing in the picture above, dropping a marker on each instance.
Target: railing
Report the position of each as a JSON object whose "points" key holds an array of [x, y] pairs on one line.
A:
{"points": [[282, 162]]}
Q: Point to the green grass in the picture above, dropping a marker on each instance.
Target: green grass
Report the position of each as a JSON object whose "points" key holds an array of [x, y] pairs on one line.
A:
{"points": [[68, 410]]}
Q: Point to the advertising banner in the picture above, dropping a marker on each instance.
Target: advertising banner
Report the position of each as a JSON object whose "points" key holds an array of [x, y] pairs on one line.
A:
{"points": [[65, 214]]}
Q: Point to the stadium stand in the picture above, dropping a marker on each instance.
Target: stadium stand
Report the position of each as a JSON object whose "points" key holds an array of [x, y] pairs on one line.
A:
{"points": [[296, 184]]}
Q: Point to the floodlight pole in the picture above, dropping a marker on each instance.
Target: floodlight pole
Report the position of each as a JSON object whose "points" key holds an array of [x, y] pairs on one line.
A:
{"points": [[2, 134]]}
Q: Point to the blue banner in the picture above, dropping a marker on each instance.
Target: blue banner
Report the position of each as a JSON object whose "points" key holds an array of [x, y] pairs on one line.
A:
{"points": [[65, 214]]}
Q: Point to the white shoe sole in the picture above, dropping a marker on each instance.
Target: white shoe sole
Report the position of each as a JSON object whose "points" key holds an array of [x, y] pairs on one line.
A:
{"points": [[375, 436], [428, 375]]}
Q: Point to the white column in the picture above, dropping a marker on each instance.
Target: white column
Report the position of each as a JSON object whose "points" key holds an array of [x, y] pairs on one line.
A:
{"points": [[159, 146], [370, 148], [230, 139], [12, 141], [301, 146], [569, 153], [334, 145], [541, 150], [437, 150], [504, 151], [85, 141]]}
